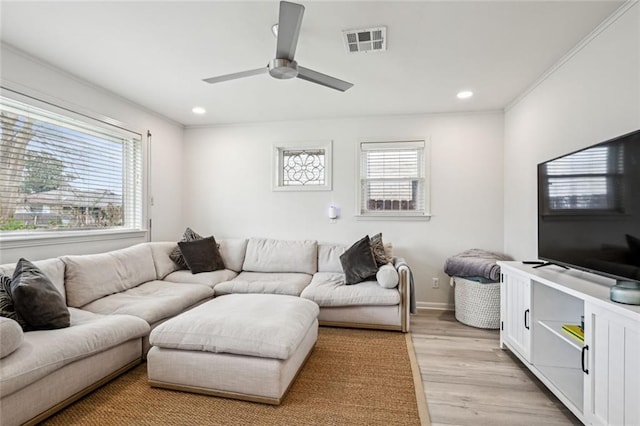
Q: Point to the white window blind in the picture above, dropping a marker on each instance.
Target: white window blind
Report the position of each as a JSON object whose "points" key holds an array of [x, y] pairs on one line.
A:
{"points": [[60, 172], [587, 180], [393, 179]]}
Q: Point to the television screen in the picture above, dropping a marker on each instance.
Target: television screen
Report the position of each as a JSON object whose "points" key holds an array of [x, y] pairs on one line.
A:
{"points": [[589, 209]]}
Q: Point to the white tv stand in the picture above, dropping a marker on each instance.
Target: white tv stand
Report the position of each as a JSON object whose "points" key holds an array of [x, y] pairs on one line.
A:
{"points": [[598, 380]]}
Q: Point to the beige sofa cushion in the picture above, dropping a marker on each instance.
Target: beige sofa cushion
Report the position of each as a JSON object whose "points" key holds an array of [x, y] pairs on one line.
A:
{"points": [[261, 325], [90, 277], [11, 336], [267, 255], [152, 301], [329, 257], [210, 279], [45, 351], [329, 289], [52, 268], [290, 284], [160, 252], [233, 251]]}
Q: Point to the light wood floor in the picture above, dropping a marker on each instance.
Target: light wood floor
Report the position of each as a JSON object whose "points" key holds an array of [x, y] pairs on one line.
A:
{"points": [[469, 380]]}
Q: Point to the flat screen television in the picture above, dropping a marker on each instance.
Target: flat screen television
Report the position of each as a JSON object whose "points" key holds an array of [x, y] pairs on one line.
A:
{"points": [[589, 209]]}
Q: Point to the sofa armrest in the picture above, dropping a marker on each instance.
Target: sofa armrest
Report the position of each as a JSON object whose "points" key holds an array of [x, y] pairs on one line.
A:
{"points": [[405, 291]]}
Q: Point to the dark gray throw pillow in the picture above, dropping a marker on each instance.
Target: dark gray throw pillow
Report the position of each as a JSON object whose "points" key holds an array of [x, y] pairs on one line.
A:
{"points": [[358, 262], [176, 253], [202, 255], [7, 309], [36, 299]]}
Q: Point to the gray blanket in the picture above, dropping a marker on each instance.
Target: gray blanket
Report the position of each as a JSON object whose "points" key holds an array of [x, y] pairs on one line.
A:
{"points": [[400, 263], [475, 263]]}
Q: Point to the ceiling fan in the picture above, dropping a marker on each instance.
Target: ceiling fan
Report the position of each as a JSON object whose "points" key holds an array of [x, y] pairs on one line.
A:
{"points": [[283, 66]]}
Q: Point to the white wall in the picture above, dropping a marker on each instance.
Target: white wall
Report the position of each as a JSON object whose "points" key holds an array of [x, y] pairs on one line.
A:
{"points": [[228, 187], [40, 80], [592, 97]]}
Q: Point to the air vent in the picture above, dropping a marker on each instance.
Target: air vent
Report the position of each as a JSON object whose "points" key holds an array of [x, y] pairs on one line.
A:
{"points": [[366, 40]]}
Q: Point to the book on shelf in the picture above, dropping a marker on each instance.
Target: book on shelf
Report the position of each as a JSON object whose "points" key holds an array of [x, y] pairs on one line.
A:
{"points": [[574, 331]]}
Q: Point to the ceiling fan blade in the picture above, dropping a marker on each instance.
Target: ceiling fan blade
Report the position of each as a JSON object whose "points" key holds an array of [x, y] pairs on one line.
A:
{"points": [[236, 75], [289, 23], [323, 79]]}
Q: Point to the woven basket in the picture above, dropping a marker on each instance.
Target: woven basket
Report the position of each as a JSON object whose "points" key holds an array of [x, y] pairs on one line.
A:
{"points": [[477, 304]]}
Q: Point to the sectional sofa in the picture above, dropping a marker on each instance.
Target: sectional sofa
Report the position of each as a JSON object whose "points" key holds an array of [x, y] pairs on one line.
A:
{"points": [[115, 299]]}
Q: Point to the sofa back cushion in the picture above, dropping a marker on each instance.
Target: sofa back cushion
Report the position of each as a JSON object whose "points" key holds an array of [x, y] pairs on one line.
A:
{"points": [[233, 251], [90, 277], [267, 255], [52, 268], [160, 252], [329, 257]]}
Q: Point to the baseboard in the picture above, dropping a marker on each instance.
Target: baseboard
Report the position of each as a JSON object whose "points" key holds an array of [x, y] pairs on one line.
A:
{"points": [[435, 306]]}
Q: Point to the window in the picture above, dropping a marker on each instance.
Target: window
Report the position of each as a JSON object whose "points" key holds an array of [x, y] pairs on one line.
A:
{"points": [[588, 181], [60, 171], [393, 179], [302, 167]]}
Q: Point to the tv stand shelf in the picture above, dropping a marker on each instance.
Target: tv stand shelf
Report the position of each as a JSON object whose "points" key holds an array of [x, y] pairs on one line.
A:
{"points": [[598, 379], [568, 381], [555, 327]]}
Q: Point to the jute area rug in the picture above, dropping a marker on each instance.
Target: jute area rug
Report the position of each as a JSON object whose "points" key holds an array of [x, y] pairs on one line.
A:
{"points": [[353, 377]]}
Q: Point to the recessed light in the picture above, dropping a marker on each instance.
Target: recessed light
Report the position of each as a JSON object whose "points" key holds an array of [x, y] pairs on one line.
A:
{"points": [[465, 94], [198, 110]]}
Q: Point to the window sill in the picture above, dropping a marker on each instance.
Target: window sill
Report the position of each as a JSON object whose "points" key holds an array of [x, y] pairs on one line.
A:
{"points": [[302, 188], [25, 239], [407, 218]]}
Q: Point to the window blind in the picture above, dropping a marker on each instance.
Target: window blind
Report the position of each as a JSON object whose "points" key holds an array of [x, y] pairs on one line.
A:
{"points": [[58, 172], [392, 178]]}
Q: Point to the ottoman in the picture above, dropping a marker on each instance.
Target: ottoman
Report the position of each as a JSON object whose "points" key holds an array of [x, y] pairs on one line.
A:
{"points": [[241, 346]]}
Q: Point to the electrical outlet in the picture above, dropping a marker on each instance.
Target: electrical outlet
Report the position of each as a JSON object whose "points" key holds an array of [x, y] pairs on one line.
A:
{"points": [[436, 283]]}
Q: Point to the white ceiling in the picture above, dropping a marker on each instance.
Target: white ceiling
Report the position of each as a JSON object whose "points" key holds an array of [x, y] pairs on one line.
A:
{"points": [[156, 53]]}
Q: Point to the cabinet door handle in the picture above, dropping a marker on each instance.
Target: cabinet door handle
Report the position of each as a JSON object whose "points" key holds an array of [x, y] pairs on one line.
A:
{"points": [[585, 348], [526, 319]]}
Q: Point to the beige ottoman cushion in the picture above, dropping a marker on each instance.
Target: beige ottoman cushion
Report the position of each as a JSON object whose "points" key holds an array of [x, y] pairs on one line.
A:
{"points": [[247, 346]]}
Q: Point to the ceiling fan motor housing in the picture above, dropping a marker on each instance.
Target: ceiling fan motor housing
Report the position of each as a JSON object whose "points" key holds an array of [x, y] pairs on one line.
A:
{"points": [[283, 69]]}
